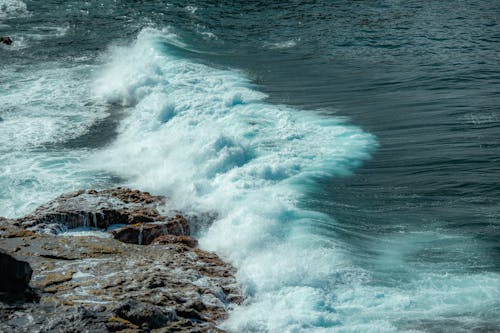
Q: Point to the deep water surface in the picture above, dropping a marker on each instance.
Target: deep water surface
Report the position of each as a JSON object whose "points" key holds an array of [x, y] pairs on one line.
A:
{"points": [[350, 149]]}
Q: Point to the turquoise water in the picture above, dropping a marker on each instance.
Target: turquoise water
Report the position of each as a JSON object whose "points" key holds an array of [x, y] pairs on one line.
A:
{"points": [[348, 149]]}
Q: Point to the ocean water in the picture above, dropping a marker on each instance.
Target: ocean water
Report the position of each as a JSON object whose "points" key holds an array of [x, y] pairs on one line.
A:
{"points": [[347, 152]]}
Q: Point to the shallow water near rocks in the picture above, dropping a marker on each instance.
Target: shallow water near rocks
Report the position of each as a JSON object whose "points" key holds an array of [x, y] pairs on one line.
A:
{"points": [[349, 149]]}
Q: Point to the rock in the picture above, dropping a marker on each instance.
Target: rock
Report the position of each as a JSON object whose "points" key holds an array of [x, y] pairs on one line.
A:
{"points": [[171, 239], [144, 314], [6, 40], [98, 209], [97, 284], [15, 275], [74, 319], [145, 233]]}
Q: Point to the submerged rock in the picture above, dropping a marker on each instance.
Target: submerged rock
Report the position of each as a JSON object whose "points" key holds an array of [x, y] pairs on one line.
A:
{"points": [[6, 40], [87, 283]]}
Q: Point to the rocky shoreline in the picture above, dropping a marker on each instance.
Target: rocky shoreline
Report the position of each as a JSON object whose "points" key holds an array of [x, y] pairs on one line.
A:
{"points": [[139, 271]]}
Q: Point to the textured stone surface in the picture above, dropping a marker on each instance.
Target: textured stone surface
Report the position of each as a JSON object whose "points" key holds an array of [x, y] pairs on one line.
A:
{"points": [[170, 239], [93, 284], [145, 233], [14, 274], [98, 209]]}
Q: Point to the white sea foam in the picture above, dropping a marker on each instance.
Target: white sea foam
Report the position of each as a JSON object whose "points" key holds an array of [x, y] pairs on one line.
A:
{"points": [[45, 105], [29, 178], [42, 107], [86, 231], [12, 8], [287, 44], [47, 32], [191, 9], [205, 32]]}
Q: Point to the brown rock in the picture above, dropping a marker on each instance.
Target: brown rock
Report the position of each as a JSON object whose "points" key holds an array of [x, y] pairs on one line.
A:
{"points": [[142, 234], [103, 284], [57, 278], [170, 239], [91, 208], [136, 287], [144, 314], [145, 233]]}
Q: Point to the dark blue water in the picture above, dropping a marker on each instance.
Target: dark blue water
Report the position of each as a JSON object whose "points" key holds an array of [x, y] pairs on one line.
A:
{"points": [[350, 148]]}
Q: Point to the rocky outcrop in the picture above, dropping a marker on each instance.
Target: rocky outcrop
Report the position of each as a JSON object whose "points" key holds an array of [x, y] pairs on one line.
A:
{"points": [[115, 282], [98, 209], [15, 275]]}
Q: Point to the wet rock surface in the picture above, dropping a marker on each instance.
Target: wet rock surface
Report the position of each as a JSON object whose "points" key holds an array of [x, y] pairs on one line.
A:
{"points": [[15, 274], [102, 284], [98, 209], [144, 234]]}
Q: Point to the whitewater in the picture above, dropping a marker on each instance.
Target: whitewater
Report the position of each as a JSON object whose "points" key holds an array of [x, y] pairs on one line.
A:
{"points": [[208, 141], [219, 148]]}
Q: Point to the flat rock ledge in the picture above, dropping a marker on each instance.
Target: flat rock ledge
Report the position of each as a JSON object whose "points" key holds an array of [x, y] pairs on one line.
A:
{"points": [[144, 274]]}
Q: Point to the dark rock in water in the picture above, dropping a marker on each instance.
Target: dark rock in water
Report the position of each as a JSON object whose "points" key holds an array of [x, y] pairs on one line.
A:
{"points": [[92, 208], [94, 284], [15, 275], [6, 40], [145, 233]]}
